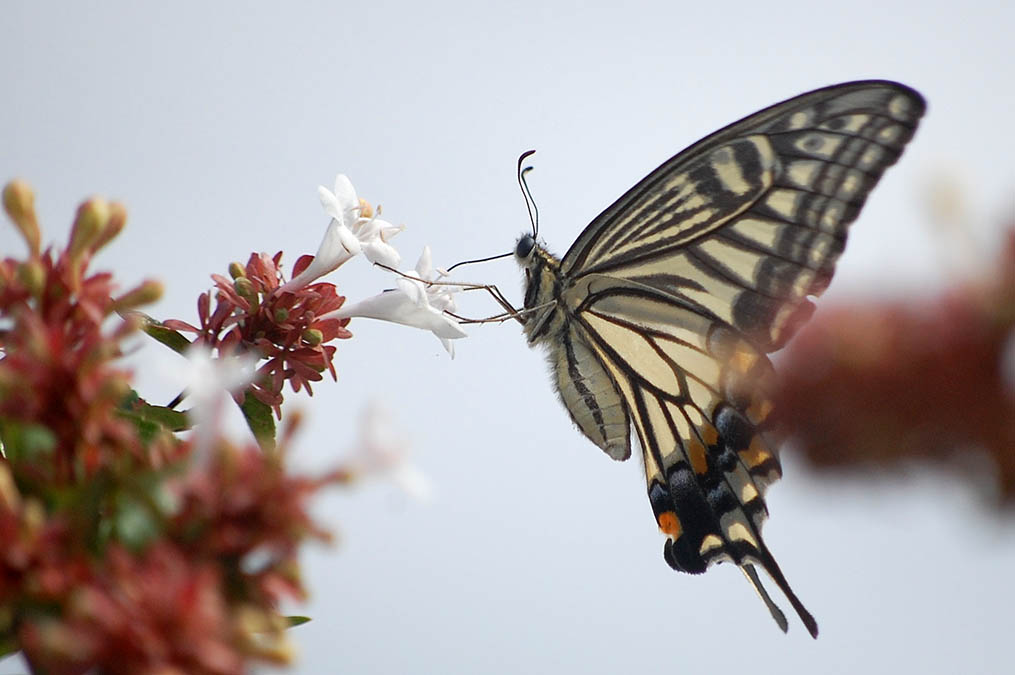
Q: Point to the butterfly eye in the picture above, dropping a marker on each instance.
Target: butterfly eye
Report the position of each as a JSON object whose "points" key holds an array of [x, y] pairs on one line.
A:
{"points": [[525, 245]]}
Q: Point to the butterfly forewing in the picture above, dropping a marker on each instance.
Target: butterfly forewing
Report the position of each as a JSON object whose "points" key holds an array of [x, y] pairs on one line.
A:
{"points": [[755, 215], [659, 316]]}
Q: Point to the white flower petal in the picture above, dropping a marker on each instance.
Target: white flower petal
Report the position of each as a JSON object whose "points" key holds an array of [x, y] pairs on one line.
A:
{"points": [[447, 328], [367, 229], [424, 266], [413, 482], [388, 230], [381, 451], [345, 194], [413, 290], [398, 307], [330, 203], [206, 375], [337, 247], [386, 306], [209, 381], [348, 240], [443, 302], [415, 302], [448, 345], [379, 251]]}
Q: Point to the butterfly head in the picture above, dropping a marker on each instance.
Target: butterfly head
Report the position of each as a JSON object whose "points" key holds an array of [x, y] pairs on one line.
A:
{"points": [[532, 257], [526, 245], [527, 259]]}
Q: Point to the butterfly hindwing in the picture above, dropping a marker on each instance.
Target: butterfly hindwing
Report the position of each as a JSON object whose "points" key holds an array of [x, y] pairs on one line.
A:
{"points": [[695, 391], [591, 396], [696, 396]]}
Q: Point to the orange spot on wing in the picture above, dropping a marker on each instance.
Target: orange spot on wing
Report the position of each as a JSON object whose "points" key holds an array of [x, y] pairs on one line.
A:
{"points": [[743, 360], [709, 435], [696, 453], [669, 523], [759, 410], [756, 453]]}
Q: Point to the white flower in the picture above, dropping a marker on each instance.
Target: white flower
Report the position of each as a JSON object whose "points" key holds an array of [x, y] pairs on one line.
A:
{"points": [[382, 452], [349, 233], [209, 382], [414, 303]]}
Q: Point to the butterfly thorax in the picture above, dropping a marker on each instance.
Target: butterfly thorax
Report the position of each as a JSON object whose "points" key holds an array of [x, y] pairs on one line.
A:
{"points": [[543, 287]]}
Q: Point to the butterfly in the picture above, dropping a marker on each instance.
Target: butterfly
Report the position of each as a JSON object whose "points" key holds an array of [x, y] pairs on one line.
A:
{"points": [[658, 319]]}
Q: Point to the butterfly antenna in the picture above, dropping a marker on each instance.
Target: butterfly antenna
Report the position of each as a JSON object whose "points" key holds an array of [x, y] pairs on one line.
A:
{"points": [[530, 203], [530, 206], [479, 260]]}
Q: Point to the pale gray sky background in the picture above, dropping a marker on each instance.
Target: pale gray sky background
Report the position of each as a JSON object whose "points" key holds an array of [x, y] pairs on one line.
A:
{"points": [[216, 122]]}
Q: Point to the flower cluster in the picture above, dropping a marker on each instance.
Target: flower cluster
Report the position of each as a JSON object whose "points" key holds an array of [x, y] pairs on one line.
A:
{"points": [[124, 548], [138, 613], [876, 384], [118, 551], [285, 329], [288, 324], [58, 384], [422, 298]]}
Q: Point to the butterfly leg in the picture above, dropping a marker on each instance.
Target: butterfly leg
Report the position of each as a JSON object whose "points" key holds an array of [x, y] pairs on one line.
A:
{"points": [[509, 310]]}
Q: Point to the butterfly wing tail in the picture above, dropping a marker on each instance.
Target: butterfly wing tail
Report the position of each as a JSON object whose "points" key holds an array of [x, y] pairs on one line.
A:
{"points": [[768, 563], [777, 614]]}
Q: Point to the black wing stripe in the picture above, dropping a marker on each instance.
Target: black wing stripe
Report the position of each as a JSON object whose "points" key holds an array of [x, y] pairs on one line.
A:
{"points": [[757, 474], [841, 233], [681, 375], [863, 125], [792, 252], [585, 395], [707, 264], [776, 279], [843, 139]]}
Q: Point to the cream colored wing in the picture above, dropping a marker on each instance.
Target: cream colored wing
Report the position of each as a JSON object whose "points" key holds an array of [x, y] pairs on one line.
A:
{"points": [[694, 393], [591, 396], [745, 224]]}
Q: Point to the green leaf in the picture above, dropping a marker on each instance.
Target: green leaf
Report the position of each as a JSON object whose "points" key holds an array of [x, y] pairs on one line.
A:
{"points": [[297, 620], [131, 509], [135, 523], [167, 336], [26, 441], [260, 420], [140, 411]]}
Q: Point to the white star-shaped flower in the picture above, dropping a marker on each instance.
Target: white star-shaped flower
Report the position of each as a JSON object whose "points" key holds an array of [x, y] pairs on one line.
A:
{"points": [[416, 302], [353, 229], [209, 382], [382, 452]]}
